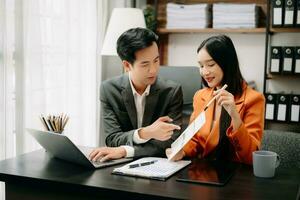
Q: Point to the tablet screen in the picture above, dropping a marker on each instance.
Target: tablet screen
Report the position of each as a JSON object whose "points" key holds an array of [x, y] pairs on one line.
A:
{"points": [[208, 172]]}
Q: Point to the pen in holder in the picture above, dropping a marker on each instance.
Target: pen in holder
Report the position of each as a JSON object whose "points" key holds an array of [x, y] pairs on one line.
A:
{"points": [[54, 123]]}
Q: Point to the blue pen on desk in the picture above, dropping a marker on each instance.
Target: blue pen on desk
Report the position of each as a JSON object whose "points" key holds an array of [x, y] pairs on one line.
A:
{"points": [[142, 164]]}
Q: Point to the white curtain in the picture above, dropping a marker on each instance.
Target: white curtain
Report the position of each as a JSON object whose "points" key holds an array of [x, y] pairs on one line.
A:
{"points": [[56, 72], [102, 16], [7, 95], [50, 63]]}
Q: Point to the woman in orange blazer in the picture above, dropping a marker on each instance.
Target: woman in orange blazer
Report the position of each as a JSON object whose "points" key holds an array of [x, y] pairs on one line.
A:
{"points": [[235, 121]]}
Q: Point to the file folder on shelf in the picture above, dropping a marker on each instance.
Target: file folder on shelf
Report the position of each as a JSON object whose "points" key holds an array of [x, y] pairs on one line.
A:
{"points": [[297, 18], [276, 60], [295, 108], [271, 107], [297, 60], [289, 13], [277, 11], [288, 61], [283, 107]]}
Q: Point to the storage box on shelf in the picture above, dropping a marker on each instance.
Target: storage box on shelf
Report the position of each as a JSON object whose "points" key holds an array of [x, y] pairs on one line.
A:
{"points": [[164, 32]]}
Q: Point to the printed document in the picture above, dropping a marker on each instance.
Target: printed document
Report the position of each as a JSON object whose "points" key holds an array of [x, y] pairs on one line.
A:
{"points": [[188, 133]]}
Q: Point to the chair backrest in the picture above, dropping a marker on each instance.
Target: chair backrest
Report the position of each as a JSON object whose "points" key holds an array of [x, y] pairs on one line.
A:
{"points": [[188, 77], [285, 144]]}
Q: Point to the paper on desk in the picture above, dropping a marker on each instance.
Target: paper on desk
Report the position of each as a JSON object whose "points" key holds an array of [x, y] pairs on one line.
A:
{"points": [[160, 170], [188, 133]]}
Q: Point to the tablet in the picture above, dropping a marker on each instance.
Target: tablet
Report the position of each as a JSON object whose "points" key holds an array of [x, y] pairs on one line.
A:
{"points": [[208, 172]]}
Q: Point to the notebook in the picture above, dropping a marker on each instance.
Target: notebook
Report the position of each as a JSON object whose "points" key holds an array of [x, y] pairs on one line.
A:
{"points": [[60, 146], [209, 172], [159, 169]]}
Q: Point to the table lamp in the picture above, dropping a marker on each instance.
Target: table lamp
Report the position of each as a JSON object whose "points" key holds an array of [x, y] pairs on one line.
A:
{"points": [[121, 20]]}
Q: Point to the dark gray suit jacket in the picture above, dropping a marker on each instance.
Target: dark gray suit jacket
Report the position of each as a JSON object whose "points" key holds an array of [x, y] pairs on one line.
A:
{"points": [[120, 117]]}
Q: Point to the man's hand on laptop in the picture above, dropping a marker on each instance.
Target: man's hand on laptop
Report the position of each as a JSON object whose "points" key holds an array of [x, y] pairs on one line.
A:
{"points": [[161, 129], [103, 154]]}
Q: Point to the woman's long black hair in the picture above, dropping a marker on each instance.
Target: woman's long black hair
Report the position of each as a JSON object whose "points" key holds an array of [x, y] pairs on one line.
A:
{"points": [[222, 51]]}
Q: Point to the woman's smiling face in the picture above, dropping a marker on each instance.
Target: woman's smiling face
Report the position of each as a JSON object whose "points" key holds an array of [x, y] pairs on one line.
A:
{"points": [[209, 69]]}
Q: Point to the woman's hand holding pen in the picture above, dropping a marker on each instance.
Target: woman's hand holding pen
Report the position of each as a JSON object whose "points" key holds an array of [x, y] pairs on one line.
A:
{"points": [[226, 99]]}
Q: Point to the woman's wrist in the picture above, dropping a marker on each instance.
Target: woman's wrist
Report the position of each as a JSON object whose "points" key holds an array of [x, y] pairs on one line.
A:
{"points": [[236, 120]]}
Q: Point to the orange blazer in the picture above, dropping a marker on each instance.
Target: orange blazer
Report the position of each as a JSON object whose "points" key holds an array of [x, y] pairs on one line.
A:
{"points": [[246, 139]]}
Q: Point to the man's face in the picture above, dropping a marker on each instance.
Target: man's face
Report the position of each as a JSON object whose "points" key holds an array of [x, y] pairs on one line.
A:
{"points": [[145, 68]]}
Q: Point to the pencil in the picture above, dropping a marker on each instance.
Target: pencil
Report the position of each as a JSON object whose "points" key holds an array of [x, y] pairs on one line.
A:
{"points": [[44, 123], [223, 88], [67, 118], [49, 123]]}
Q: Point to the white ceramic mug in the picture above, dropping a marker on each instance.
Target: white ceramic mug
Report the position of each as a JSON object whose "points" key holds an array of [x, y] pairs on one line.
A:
{"points": [[265, 163]]}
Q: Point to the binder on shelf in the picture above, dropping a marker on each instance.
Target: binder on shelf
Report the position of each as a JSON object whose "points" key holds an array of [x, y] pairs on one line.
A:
{"points": [[276, 60], [297, 59], [289, 13], [270, 106], [283, 107], [277, 11], [295, 108], [297, 18], [288, 61]]}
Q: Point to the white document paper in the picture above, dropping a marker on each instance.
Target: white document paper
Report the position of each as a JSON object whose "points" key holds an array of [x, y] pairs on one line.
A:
{"points": [[275, 65], [297, 65], [295, 113], [287, 64], [277, 16], [161, 169], [281, 115], [289, 16], [270, 111], [188, 133]]}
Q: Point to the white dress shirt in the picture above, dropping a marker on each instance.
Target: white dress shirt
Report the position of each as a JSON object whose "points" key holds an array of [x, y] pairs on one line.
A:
{"points": [[139, 101]]}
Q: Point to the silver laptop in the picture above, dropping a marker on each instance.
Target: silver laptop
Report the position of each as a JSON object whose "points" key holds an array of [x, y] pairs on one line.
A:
{"points": [[60, 146]]}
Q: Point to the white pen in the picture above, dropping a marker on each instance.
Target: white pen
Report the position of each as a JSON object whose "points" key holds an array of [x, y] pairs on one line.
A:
{"points": [[223, 88]]}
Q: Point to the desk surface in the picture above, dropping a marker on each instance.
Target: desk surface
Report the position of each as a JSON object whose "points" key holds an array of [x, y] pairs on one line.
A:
{"points": [[40, 168]]}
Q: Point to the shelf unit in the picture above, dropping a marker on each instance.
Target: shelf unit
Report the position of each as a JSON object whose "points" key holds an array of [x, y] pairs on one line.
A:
{"points": [[270, 31], [160, 7], [284, 30], [210, 30]]}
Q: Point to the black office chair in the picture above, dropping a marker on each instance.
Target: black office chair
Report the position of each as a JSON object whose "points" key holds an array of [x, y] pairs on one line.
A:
{"points": [[190, 80], [285, 144]]}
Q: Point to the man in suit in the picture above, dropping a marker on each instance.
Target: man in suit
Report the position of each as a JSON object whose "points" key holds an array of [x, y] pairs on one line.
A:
{"points": [[142, 113]]}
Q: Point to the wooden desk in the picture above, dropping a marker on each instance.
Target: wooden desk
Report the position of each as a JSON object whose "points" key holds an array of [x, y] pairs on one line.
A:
{"points": [[37, 175]]}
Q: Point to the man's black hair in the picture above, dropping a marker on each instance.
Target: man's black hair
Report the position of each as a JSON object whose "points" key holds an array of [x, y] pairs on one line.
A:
{"points": [[134, 40]]}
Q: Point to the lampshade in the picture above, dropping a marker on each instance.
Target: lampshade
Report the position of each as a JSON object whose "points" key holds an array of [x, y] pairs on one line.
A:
{"points": [[121, 20]]}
